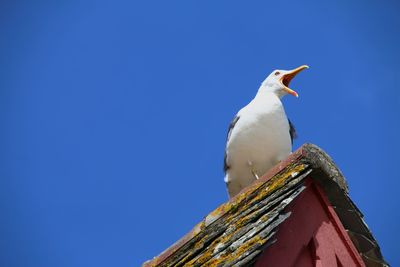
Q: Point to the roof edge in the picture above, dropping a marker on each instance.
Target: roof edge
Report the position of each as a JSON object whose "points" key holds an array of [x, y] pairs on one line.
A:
{"points": [[322, 162], [324, 172]]}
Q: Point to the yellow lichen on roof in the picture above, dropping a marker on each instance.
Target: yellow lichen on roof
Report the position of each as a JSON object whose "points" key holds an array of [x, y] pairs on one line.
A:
{"points": [[229, 257], [228, 212], [236, 232]]}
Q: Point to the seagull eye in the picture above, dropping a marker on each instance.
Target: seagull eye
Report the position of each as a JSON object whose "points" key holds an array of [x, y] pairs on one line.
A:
{"points": [[277, 73]]}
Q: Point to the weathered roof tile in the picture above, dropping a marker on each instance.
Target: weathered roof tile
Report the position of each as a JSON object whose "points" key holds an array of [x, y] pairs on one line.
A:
{"points": [[235, 233]]}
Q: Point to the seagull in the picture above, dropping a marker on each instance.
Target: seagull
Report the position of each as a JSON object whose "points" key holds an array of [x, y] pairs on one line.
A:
{"points": [[260, 135]]}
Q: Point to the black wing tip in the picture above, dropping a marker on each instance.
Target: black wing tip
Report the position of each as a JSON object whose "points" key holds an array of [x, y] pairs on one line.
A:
{"points": [[230, 128], [292, 131]]}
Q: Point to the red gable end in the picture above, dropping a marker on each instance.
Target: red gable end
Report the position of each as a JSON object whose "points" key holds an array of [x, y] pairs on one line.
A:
{"points": [[312, 236]]}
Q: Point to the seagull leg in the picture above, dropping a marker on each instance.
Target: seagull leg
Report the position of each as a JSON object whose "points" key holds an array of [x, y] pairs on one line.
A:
{"points": [[255, 174], [253, 171]]}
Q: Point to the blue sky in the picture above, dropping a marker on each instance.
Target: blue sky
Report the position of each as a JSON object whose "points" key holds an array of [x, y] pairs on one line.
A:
{"points": [[114, 115]]}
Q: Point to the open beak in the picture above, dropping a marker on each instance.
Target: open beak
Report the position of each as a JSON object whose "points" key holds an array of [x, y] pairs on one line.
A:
{"points": [[286, 78]]}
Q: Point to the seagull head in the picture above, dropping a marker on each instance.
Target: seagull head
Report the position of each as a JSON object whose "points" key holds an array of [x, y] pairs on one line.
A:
{"points": [[278, 81]]}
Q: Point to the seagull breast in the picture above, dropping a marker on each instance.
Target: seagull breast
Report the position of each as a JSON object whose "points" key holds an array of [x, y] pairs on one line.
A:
{"points": [[259, 139]]}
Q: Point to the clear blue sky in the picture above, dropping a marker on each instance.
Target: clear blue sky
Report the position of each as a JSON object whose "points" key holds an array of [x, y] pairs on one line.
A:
{"points": [[114, 115]]}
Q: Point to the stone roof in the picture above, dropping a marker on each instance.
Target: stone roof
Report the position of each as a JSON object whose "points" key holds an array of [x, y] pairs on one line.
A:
{"points": [[237, 232]]}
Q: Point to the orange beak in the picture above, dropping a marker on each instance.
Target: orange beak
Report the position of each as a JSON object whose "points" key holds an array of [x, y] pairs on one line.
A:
{"points": [[286, 78]]}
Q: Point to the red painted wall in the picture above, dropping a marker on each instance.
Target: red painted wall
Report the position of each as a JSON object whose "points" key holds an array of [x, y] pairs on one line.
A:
{"points": [[312, 236]]}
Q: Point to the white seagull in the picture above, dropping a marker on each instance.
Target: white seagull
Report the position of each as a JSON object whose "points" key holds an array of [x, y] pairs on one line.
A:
{"points": [[260, 135]]}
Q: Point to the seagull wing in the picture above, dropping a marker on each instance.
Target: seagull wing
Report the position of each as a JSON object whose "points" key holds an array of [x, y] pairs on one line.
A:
{"points": [[292, 131], [231, 126]]}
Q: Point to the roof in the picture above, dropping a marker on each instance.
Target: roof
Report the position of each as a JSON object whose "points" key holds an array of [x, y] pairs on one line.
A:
{"points": [[237, 232]]}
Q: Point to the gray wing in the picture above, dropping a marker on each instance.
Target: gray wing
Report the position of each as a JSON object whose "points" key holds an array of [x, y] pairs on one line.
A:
{"points": [[231, 126], [292, 131]]}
